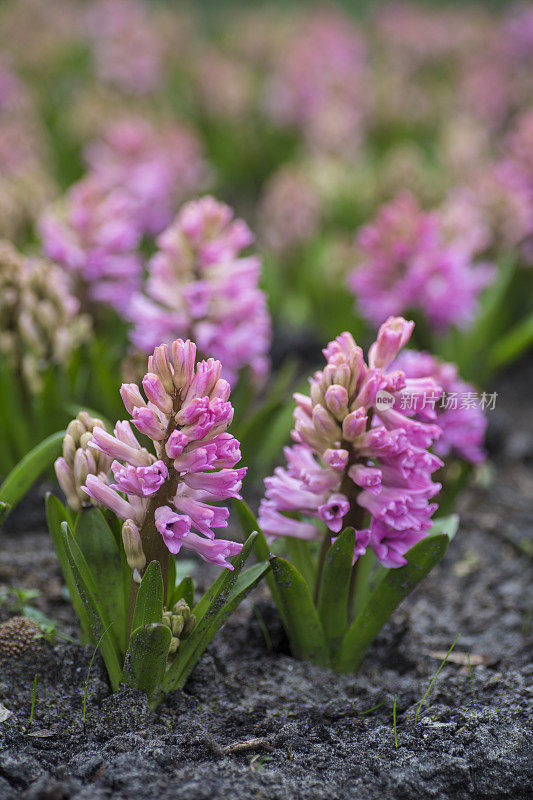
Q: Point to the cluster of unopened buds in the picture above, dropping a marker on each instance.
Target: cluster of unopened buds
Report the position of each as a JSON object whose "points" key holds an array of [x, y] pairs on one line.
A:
{"points": [[166, 498], [79, 460], [39, 317], [181, 623]]}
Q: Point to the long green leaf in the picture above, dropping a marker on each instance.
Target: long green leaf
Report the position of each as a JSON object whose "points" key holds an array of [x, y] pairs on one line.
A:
{"points": [[513, 344], [14, 413], [149, 603], [386, 597], [146, 659], [97, 543], [335, 588], [23, 476], [249, 525], [94, 608], [193, 647], [304, 628], [56, 514], [219, 592]]}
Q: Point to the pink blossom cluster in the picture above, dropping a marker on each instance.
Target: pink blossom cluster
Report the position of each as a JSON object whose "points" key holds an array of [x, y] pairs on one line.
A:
{"points": [[200, 285], [93, 233], [405, 264], [463, 426], [320, 84], [355, 457], [185, 411], [127, 49], [159, 167]]}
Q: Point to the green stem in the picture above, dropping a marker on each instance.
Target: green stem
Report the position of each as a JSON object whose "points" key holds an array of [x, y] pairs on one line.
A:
{"points": [[360, 584]]}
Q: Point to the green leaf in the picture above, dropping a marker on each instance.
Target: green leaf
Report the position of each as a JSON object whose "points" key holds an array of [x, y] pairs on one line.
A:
{"points": [[97, 543], [5, 508], [261, 549], [13, 413], [23, 476], [304, 628], [193, 647], [56, 514], [147, 656], [335, 587], [94, 608], [184, 590], [299, 554], [513, 344], [448, 525], [149, 603], [386, 597]]}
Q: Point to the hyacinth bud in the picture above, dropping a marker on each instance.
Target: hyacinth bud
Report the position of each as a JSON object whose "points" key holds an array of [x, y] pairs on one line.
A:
{"points": [[39, 316], [131, 397], [354, 424], [392, 336], [133, 545], [147, 422], [325, 425], [156, 392], [316, 394], [76, 429], [337, 401], [184, 357], [80, 460], [159, 363], [69, 448], [221, 390]]}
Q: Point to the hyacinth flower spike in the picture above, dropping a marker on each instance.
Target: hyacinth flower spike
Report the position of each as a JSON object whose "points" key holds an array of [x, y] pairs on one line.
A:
{"points": [[353, 505], [159, 500]]}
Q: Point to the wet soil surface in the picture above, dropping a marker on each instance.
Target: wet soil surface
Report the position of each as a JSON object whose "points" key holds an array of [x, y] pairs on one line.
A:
{"points": [[307, 733]]}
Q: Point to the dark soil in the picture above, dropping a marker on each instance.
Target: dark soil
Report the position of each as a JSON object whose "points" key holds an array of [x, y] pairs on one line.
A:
{"points": [[313, 739]]}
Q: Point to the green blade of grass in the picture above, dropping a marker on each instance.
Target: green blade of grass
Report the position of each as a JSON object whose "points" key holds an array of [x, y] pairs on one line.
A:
{"points": [[434, 678]]}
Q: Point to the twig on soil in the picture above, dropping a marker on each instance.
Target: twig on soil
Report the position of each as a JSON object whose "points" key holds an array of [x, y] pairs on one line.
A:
{"points": [[249, 744], [435, 677], [464, 659]]}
